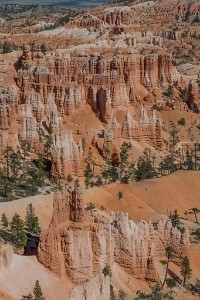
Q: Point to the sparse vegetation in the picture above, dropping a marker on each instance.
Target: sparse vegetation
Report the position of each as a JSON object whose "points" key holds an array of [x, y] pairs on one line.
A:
{"points": [[107, 271], [90, 207], [37, 293], [157, 293], [186, 270], [31, 220], [169, 254], [182, 122], [15, 231], [120, 195]]}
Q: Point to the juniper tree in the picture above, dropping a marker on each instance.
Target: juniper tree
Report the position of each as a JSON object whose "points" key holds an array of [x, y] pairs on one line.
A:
{"points": [[28, 297], [195, 211], [120, 195], [69, 178], [107, 271]]}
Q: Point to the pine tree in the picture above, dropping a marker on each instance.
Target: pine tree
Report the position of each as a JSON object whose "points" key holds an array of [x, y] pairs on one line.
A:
{"points": [[25, 149], [186, 270], [175, 219], [189, 164], [90, 207], [17, 231], [31, 221], [169, 92], [174, 138], [124, 155], [169, 254], [4, 221], [145, 166], [88, 175], [90, 159], [110, 173], [196, 153], [38, 294], [15, 165], [167, 165], [6, 169]]}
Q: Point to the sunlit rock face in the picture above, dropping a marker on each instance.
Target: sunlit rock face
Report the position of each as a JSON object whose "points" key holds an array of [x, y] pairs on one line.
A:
{"points": [[79, 247]]}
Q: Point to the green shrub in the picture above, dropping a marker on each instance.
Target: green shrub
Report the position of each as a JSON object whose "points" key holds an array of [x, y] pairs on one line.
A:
{"points": [[182, 122], [107, 271], [171, 283]]}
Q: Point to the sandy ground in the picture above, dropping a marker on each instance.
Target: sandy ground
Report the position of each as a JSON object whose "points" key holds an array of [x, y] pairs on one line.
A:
{"points": [[43, 207], [127, 283], [19, 279], [150, 199]]}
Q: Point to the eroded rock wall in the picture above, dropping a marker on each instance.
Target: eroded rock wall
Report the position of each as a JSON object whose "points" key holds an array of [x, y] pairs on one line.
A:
{"points": [[81, 247]]}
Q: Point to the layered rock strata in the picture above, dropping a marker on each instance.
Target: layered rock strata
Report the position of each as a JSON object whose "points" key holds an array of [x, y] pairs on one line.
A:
{"points": [[102, 82]]}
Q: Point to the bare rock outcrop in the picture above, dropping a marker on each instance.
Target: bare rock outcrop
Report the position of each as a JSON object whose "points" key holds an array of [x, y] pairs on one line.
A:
{"points": [[67, 155], [6, 252], [147, 129], [97, 288], [104, 83], [79, 248]]}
